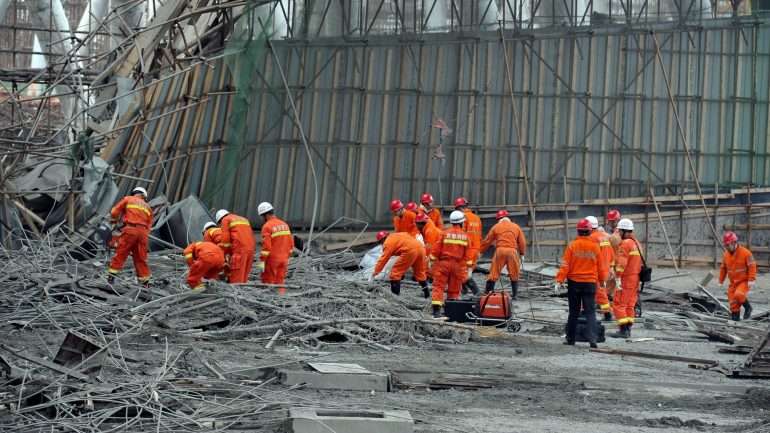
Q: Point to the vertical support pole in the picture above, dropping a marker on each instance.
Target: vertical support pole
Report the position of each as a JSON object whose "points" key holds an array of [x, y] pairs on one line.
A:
{"points": [[566, 212], [716, 210], [647, 223], [681, 226], [748, 215]]}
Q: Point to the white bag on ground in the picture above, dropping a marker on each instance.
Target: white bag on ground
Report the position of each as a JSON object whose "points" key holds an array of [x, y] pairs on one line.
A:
{"points": [[369, 260]]}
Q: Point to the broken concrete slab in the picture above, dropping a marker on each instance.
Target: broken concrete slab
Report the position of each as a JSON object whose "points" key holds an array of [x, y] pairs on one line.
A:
{"points": [[311, 420], [348, 381], [180, 223]]}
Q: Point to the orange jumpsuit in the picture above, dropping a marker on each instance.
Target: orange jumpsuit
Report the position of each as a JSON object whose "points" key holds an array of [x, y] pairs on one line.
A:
{"points": [[582, 263], [741, 268], [239, 239], [134, 239], [206, 260], [452, 257], [510, 245], [410, 253], [628, 264], [430, 235], [472, 226], [277, 245], [607, 255], [434, 215], [214, 235], [405, 223]]}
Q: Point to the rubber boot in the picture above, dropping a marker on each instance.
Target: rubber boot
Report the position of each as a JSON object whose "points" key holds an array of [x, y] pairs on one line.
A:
{"points": [[735, 316], [425, 291], [628, 330], [146, 284], [110, 279], [747, 310], [490, 287], [395, 287], [623, 332], [474, 288], [607, 317], [436, 311], [514, 289]]}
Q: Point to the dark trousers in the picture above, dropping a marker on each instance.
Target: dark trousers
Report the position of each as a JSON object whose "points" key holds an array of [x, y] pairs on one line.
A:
{"points": [[581, 297]]}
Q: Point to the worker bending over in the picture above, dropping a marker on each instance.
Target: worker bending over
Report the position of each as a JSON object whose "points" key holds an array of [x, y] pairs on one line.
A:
{"points": [[136, 217], [582, 269], [206, 260], [451, 257], [403, 219], [426, 206], [410, 253], [277, 245], [738, 264], [510, 247], [628, 264], [238, 239], [472, 227], [608, 257]]}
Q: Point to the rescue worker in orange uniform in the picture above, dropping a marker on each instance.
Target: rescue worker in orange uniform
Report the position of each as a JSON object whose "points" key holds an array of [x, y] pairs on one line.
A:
{"points": [[277, 245], [426, 206], [451, 257], [212, 233], [608, 257], [206, 260], [136, 216], [611, 219], [238, 239], [430, 233], [738, 264], [410, 253], [582, 269], [510, 247], [628, 264], [403, 219], [472, 226]]}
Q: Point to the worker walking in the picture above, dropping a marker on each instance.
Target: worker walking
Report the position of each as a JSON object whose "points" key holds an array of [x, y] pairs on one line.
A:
{"points": [[582, 269], [738, 264], [451, 257], [472, 227], [510, 246], [206, 260], [136, 217], [238, 239], [410, 253], [426, 206], [628, 264], [608, 257], [403, 219], [277, 245]]}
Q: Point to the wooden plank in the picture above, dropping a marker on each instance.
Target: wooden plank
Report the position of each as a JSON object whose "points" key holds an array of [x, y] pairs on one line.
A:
{"points": [[755, 351], [655, 356]]}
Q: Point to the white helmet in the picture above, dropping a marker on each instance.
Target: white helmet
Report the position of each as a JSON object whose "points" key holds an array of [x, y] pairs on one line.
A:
{"points": [[626, 224], [221, 214], [140, 190], [457, 217], [594, 222], [264, 208], [209, 225]]}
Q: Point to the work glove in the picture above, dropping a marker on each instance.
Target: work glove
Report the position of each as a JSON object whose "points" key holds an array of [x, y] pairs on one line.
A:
{"points": [[557, 288], [261, 266], [470, 271], [752, 284], [371, 278]]}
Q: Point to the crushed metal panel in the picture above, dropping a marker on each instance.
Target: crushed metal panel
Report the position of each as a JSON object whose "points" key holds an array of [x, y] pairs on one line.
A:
{"points": [[336, 367]]}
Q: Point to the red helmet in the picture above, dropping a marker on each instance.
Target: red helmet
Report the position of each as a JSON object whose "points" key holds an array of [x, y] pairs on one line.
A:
{"points": [[426, 198], [412, 206], [382, 235], [396, 205], [613, 215], [729, 237], [502, 213], [460, 202], [584, 225], [421, 218]]}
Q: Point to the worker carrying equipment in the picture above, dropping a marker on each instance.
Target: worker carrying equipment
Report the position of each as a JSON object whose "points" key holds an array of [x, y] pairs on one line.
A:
{"points": [[608, 257], [510, 246], [410, 253], [472, 227], [136, 217], [206, 260], [451, 257], [277, 245], [238, 239], [426, 206], [582, 268], [738, 264], [403, 219], [628, 264]]}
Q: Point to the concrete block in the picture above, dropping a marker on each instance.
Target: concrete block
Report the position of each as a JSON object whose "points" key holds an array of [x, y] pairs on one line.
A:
{"points": [[311, 420], [348, 381]]}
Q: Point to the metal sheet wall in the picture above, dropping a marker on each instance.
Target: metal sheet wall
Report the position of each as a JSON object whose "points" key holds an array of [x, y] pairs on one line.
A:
{"points": [[593, 109]]}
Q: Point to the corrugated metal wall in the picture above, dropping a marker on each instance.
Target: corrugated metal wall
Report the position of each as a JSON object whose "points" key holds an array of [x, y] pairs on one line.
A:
{"points": [[593, 107]]}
